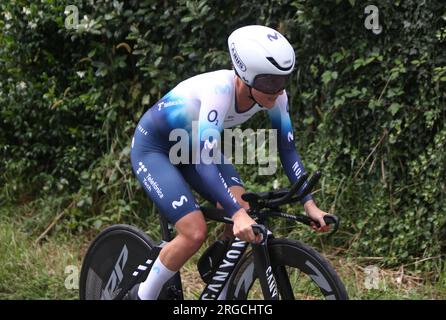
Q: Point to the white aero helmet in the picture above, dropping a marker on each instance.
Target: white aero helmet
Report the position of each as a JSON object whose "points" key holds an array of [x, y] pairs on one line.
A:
{"points": [[257, 52]]}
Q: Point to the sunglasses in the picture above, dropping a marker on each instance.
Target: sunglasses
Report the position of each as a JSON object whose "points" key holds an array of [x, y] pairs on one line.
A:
{"points": [[270, 83]]}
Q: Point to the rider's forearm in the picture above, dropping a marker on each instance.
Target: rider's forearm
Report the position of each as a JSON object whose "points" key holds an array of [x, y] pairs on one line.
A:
{"points": [[309, 205], [293, 167], [214, 181]]}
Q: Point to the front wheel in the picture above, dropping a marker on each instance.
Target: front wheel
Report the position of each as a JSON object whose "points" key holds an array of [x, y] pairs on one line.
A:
{"points": [[300, 273]]}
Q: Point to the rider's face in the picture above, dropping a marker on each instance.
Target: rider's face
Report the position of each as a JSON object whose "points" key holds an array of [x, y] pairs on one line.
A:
{"points": [[264, 99]]}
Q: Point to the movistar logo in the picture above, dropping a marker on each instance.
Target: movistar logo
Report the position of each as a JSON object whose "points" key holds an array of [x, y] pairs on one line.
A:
{"points": [[209, 145], [176, 204], [238, 61], [274, 36]]}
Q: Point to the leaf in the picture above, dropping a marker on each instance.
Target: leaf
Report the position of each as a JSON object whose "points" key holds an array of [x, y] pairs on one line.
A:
{"points": [[358, 63], [326, 77], [145, 99], [394, 107], [97, 224], [186, 19]]}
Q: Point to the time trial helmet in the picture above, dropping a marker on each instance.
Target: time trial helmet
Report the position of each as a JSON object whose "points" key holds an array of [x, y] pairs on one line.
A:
{"points": [[262, 57]]}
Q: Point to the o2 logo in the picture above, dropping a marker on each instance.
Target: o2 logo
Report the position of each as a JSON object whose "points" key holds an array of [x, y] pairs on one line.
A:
{"points": [[212, 116]]}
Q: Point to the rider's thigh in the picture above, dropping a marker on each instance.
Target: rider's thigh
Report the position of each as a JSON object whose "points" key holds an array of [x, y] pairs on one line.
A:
{"points": [[164, 184]]}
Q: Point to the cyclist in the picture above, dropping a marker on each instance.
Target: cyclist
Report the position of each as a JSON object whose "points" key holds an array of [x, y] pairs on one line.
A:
{"points": [[263, 60]]}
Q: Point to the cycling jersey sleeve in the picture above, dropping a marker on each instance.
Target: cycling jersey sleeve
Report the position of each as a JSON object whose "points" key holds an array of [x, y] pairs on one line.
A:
{"points": [[291, 162], [207, 152]]}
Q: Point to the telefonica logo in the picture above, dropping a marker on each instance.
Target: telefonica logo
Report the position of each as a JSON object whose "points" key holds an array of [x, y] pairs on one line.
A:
{"points": [[166, 104], [237, 59]]}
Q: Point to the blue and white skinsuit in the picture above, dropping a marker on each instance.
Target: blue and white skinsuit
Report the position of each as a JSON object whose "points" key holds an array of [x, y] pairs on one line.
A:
{"points": [[208, 99]]}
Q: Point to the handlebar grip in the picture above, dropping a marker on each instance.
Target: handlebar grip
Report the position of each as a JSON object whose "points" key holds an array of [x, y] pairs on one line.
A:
{"points": [[332, 219], [329, 219]]}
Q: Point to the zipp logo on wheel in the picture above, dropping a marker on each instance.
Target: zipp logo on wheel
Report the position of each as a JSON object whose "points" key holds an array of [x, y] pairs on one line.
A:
{"points": [[141, 167], [112, 289], [176, 204]]}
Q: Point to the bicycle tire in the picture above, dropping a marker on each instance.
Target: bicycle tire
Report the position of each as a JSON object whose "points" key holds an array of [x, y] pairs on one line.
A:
{"points": [[295, 256], [111, 260]]}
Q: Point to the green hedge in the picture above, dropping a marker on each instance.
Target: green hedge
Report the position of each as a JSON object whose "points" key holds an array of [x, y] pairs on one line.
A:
{"points": [[368, 110]]}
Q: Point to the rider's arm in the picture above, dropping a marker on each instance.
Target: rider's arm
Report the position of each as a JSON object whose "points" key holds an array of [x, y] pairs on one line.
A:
{"points": [[291, 162], [210, 125]]}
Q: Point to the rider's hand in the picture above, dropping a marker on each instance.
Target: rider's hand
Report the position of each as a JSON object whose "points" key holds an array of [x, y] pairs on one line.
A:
{"points": [[243, 227], [316, 214]]}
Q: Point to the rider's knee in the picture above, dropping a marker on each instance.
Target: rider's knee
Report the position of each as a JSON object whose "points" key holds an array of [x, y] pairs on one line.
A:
{"points": [[196, 235]]}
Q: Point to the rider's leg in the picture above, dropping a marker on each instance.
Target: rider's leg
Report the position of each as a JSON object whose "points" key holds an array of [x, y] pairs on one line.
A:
{"points": [[167, 188], [191, 233]]}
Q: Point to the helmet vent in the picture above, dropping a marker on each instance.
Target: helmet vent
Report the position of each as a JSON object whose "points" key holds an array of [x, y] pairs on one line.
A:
{"points": [[274, 62]]}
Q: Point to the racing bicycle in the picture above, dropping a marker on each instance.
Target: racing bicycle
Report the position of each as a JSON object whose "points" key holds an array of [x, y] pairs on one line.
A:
{"points": [[276, 268]]}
